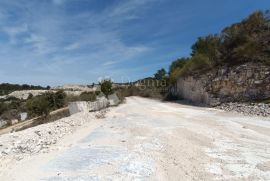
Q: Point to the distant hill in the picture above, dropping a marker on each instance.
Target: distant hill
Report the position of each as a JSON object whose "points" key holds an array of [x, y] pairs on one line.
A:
{"points": [[6, 88]]}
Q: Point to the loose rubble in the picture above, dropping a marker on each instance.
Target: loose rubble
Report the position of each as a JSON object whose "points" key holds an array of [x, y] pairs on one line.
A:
{"points": [[250, 109], [40, 138]]}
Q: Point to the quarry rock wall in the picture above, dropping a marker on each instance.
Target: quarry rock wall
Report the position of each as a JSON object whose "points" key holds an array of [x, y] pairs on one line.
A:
{"points": [[242, 83]]}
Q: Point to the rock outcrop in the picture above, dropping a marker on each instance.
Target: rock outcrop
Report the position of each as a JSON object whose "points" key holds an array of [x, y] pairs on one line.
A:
{"points": [[84, 106], [242, 83]]}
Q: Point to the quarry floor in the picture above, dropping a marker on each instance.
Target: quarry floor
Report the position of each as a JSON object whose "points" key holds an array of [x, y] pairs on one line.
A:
{"points": [[146, 139]]}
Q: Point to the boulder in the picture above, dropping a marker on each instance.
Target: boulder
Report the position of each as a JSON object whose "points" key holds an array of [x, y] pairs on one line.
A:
{"points": [[23, 116], [14, 121], [3, 123], [113, 99], [83, 106]]}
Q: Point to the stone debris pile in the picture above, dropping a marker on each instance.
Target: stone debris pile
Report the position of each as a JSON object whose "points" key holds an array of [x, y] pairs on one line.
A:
{"points": [[251, 109], [39, 138]]}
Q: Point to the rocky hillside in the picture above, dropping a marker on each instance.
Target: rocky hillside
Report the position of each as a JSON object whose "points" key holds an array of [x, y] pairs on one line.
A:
{"points": [[242, 83]]}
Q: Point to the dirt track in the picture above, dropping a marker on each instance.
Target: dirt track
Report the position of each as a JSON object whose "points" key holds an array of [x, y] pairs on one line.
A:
{"points": [[150, 140]]}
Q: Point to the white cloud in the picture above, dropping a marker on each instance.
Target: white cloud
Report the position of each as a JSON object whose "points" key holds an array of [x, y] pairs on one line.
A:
{"points": [[72, 46], [56, 41], [110, 63], [58, 2], [13, 31]]}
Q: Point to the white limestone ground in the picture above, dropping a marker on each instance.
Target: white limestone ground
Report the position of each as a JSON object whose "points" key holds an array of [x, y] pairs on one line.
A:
{"points": [[18, 145], [24, 94], [146, 140]]}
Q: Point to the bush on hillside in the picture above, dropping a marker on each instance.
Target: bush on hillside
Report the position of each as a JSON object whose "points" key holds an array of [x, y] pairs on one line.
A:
{"points": [[197, 64], [161, 74], [247, 41], [71, 98], [88, 96], [10, 114], [56, 100], [209, 47], [106, 87], [43, 104], [3, 108], [38, 106], [178, 64], [7, 88]]}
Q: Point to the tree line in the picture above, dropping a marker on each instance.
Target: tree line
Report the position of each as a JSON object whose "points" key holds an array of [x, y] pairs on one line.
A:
{"points": [[6, 88]]}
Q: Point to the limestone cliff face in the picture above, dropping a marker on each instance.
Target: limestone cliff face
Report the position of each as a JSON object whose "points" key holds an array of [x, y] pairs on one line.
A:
{"points": [[246, 82]]}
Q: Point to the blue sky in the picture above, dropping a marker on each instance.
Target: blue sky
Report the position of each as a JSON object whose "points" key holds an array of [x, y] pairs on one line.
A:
{"points": [[54, 42]]}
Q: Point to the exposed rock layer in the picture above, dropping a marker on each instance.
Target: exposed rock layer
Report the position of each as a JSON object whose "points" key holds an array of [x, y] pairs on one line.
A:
{"points": [[247, 82]]}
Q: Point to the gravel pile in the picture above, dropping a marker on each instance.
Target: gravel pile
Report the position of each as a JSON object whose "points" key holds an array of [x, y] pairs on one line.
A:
{"points": [[39, 138], [250, 109]]}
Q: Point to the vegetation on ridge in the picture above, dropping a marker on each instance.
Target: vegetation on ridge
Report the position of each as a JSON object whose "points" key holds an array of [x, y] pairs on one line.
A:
{"points": [[6, 88], [247, 41]]}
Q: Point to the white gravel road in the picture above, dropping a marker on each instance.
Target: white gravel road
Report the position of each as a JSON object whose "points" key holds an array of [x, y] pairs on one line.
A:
{"points": [[146, 139]]}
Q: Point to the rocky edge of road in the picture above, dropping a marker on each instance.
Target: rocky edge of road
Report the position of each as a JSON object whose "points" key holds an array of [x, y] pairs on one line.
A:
{"points": [[249, 109], [40, 138]]}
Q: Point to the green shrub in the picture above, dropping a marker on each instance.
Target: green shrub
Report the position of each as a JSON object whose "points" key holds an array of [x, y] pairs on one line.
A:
{"points": [[247, 41], [7, 88], [197, 64], [43, 104], [161, 74], [88, 96], [38, 106], [10, 114], [71, 98], [148, 87], [208, 46], [3, 107], [178, 64], [106, 87]]}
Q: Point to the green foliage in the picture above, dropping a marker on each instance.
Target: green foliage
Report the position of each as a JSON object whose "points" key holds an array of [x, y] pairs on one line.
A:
{"points": [[3, 108], [38, 106], [208, 46], [6, 88], [10, 114], [247, 41], [179, 63], [196, 64], [148, 87], [88, 96], [161, 74], [71, 98], [10, 108], [43, 104], [56, 100], [142, 91], [106, 87], [85, 96]]}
